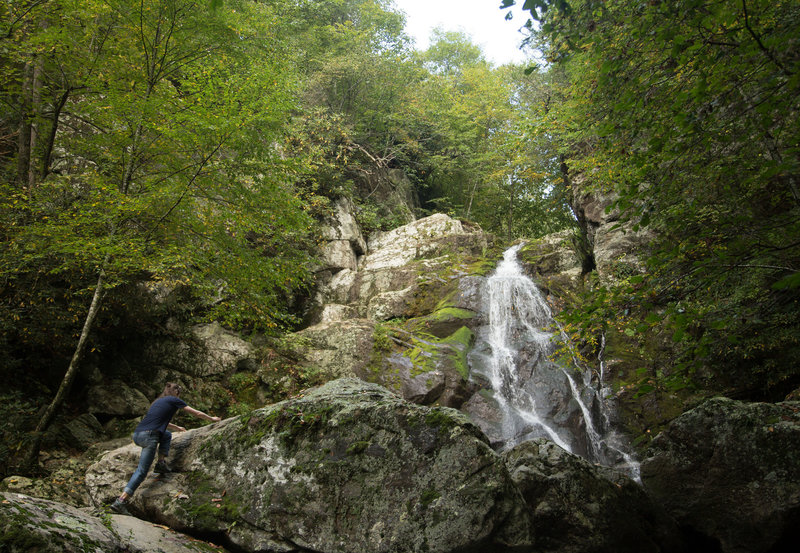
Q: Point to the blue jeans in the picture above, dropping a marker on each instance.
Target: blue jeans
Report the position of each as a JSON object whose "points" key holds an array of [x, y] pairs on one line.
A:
{"points": [[151, 441]]}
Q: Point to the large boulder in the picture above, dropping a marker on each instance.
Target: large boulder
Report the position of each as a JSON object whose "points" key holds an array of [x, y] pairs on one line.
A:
{"points": [[579, 507], [337, 349], [84, 430], [337, 255], [222, 350], [617, 250], [33, 525], [729, 473], [116, 399], [347, 467], [420, 281], [399, 268], [425, 369], [427, 237]]}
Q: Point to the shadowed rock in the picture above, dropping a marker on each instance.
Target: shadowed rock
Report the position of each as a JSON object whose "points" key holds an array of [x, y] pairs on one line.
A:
{"points": [[729, 473], [579, 507]]}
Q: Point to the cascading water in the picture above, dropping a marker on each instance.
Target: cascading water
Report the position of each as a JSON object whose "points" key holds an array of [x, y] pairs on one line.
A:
{"points": [[535, 396]]}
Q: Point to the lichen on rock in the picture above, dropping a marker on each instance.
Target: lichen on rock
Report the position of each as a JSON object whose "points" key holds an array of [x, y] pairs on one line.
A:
{"points": [[348, 466]]}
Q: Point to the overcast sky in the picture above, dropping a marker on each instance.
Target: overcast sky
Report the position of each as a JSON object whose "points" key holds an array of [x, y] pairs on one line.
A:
{"points": [[483, 20]]}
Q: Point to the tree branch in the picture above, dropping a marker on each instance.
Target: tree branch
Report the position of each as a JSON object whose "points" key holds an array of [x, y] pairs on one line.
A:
{"points": [[757, 38]]}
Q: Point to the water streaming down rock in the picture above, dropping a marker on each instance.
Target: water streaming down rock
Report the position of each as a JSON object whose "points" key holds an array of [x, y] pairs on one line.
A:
{"points": [[535, 396]]}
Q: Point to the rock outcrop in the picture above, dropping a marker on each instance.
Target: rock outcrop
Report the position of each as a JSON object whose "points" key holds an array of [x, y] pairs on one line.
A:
{"points": [[729, 473], [348, 467], [615, 246], [388, 279], [403, 317], [344, 241], [116, 399]]}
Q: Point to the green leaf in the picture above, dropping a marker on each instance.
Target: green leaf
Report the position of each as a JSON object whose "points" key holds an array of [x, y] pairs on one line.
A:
{"points": [[788, 283]]}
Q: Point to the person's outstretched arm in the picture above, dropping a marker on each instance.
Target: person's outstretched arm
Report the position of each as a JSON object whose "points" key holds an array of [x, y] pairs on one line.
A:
{"points": [[200, 414]]}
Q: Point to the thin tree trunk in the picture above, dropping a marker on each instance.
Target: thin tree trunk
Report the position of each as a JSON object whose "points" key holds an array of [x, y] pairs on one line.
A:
{"points": [[47, 154], [24, 138], [511, 195], [133, 151], [471, 196], [32, 456], [36, 120]]}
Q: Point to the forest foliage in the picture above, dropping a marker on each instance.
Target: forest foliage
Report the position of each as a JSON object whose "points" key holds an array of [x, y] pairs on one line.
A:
{"points": [[688, 112], [196, 145]]}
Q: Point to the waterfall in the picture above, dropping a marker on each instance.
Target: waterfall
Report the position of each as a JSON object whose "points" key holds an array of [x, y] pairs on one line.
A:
{"points": [[536, 396]]}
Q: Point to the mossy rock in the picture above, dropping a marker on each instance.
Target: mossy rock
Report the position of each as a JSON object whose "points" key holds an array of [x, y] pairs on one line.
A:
{"points": [[443, 322], [347, 463]]}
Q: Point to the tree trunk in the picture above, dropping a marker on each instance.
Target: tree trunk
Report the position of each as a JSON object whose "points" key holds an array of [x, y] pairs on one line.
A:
{"points": [[36, 120], [31, 459], [512, 192], [47, 153], [583, 240], [24, 137], [471, 196]]}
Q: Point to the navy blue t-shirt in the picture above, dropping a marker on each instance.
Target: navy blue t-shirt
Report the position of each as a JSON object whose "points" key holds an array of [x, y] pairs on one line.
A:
{"points": [[160, 413]]}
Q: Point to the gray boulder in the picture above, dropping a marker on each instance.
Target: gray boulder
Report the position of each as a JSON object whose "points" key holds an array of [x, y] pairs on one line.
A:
{"points": [[425, 369], [342, 225], [579, 507], [337, 255], [337, 349], [222, 350], [617, 250], [422, 273], [116, 399], [729, 473], [32, 525], [84, 430], [347, 467], [397, 263]]}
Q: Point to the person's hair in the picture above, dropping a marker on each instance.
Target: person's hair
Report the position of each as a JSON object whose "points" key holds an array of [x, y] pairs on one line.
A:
{"points": [[171, 389]]}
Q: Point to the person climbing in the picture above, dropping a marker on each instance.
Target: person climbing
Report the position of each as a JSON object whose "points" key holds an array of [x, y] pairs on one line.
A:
{"points": [[153, 435]]}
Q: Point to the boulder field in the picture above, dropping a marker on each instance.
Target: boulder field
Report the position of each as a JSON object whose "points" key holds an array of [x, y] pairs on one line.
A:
{"points": [[352, 467]]}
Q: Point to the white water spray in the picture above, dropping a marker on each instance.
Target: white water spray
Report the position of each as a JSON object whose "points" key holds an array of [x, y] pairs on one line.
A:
{"points": [[537, 397]]}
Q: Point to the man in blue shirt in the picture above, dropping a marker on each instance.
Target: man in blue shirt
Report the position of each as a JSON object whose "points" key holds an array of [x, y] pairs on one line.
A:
{"points": [[153, 435]]}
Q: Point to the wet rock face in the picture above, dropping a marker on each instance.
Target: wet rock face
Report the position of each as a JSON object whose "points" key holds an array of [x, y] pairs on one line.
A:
{"points": [[580, 507], [729, 473], [348, 467]]}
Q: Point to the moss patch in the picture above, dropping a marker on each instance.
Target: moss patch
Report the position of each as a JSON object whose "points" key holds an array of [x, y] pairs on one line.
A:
{"points": [[427, 353], [287, 421], [208, 506]]}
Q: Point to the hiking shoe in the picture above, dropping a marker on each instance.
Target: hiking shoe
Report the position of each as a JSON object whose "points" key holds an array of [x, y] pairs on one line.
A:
{"points": [[119, 507], [161, 467]]}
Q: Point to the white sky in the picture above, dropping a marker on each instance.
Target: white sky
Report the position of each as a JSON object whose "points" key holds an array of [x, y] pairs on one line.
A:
{"points": [[483, 20]]}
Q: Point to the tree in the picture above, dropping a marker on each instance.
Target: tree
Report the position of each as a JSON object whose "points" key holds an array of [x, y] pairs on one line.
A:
{"points": [[169, 170], [689, 111]]}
